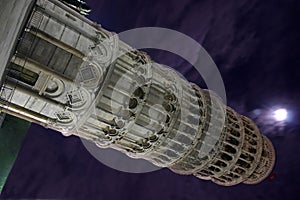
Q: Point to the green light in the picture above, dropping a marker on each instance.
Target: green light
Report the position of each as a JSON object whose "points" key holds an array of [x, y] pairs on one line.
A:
{"points": [[12, 133]]}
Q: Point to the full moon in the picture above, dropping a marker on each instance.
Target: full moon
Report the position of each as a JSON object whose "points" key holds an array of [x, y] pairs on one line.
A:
{"points": [[280, 114]]}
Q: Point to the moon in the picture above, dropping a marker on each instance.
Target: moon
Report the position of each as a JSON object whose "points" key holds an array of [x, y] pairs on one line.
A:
{"points": [[280, 114]]}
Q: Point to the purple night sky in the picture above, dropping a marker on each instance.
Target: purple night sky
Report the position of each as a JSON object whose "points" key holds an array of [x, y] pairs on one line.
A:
{"points": [[255, 45]]}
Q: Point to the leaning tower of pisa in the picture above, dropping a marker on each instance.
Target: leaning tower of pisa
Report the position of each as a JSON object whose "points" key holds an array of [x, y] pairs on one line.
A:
{"points": [[69, 74]]}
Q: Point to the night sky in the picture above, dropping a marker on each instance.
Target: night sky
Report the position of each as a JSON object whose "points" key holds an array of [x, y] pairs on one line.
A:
{"points": [[256, 46]]}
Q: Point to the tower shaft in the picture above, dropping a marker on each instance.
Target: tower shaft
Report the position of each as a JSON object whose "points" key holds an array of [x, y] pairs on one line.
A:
{"points": [[71, 75]]}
